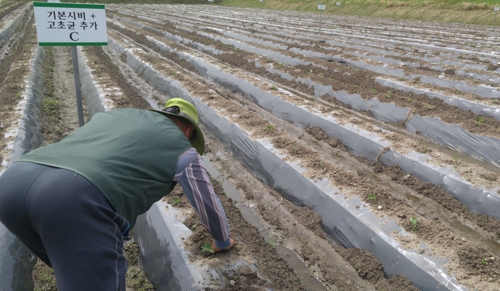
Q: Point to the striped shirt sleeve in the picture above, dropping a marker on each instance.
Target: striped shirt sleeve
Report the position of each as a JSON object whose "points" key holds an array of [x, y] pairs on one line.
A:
{"points": [[193, 178]]}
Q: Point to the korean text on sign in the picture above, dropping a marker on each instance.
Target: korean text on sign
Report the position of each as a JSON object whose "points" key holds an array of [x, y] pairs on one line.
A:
{"points": [[70, 24]]}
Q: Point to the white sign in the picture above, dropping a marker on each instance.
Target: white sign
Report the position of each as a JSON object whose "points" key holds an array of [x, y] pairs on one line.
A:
{"points": [[53, 1], [496, 8], [321, 7], [68, 24], [338, 3]]}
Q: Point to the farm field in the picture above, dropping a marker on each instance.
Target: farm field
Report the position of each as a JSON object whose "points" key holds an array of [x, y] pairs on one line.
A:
{"points": [[349, 154]]}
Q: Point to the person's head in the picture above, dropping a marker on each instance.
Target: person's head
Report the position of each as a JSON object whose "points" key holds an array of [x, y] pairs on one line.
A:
{"points": [[185, 116]]}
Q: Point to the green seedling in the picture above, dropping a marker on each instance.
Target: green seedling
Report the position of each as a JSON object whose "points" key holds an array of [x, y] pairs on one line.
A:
{"points": [[273, 87], [207, 247], [413, 221], [423, 150], [373, 90], [372, 198], [176, 201], [480, 119], [194, 227], [321, 165], [410, 100], [484, 262], [495, 101], [18, 96], [389, 93], [269, 128], [271, 242], [332, 79], [301, 280], [355, 86], [455, 159]]}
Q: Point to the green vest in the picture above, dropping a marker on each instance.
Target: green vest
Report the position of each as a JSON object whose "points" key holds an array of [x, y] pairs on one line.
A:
{"points": [[129, 154]]}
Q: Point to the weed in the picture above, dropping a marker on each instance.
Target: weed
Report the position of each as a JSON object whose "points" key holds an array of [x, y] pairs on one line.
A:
{"points": [[18, 96], [423, 150], [226, 165], [50, 105], [413, 221], [176, 201], [480, 119], [389, 93], [410, 100], [194, 226], [455, 159], [495, 101], [332, 79], [484, 262], [273, 87], [373, 90], [271, 242], [372, 197], [358, 267], [207, 247], [269, 128], [321, 165], [355, 86], [320, 74], [301, 280]]}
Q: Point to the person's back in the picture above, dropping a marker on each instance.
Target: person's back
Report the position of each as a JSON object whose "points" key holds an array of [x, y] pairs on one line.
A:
{"points": [[129, 154]]}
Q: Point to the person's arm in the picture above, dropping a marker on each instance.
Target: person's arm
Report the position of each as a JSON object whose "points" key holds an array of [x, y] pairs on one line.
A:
{"points": [[192, 177]]}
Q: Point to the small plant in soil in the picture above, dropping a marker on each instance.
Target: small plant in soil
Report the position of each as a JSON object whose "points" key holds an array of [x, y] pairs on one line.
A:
{"points": [[321, 165], [18, 96], [484, 262], [273, 87], [207, 247], [480, 120], [371, 198], [194, 227], [495, 101], [271, 242], [423, 150], [176, 201], [455, 159], [373, 90], [269, 128], [413, 221], [410, 100], [389, 93]]}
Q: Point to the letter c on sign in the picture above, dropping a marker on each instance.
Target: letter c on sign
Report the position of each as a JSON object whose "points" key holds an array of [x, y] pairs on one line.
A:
{"points": [[71, 36]]}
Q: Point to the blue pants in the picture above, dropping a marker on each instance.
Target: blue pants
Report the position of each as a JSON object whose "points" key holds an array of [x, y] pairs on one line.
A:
{"points": [[66, 222]]}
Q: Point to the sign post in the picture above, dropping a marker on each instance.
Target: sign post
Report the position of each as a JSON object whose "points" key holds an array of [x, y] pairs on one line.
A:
{"points": [[211, 3], [321, 8], [496, 8], [68, 24]]}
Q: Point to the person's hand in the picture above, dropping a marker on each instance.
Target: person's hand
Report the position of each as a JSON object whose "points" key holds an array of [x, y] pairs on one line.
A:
{"points": [[216, 249]]}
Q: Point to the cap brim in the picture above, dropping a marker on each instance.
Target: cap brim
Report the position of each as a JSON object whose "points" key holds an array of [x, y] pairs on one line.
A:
{"points": [[199, 141]]}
